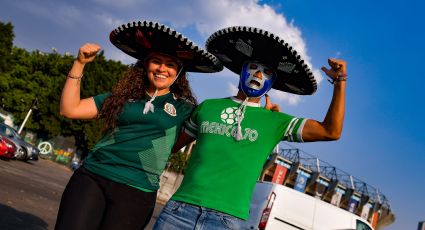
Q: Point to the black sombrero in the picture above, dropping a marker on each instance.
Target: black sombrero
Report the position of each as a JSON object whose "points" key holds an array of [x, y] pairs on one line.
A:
{"points": [[236, 45], [138, 39]]}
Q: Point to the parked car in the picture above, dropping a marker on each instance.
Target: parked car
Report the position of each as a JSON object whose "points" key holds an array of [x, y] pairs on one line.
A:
{"points": [[7, 148], [25, 151], [3, 147]]}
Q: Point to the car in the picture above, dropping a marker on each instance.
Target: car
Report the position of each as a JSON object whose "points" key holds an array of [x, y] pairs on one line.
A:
{"points": [[3, 147], [25, 151], [7, 148], [35, 153]]}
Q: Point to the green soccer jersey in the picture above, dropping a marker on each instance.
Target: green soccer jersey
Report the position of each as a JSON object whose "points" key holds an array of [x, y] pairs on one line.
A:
{"points": [[138, 149], [222, 171]]}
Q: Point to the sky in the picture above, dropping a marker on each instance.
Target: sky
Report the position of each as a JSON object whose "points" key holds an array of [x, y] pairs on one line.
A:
{"points": [[382, 42]]}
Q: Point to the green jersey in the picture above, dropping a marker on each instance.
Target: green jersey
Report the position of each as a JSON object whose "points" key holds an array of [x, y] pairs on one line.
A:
{"points": [[222, 171], [138, 149]]}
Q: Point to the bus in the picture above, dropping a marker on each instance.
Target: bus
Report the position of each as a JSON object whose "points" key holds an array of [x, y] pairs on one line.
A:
{"points": [[298, 191]]}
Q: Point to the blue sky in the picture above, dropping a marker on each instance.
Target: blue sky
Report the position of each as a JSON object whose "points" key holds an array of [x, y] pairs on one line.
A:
{"points": [[382, 41]]}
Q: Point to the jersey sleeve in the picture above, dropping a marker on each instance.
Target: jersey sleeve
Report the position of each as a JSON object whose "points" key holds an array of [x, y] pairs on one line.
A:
{"points": [[100, 99], [293, 130], [190, 126]]}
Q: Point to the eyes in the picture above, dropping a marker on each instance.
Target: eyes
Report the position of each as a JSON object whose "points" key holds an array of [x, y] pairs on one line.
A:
{"points": [[268, 71], [168, 63], [253, 66], [265, 70]]}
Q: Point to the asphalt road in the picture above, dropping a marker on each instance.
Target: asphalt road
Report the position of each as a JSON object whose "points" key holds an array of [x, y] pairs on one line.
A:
{"points": [[30, 194]]}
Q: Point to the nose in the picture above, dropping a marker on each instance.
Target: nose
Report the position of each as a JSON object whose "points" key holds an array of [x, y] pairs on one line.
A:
{"points": [[162, 67], [258, 75]]}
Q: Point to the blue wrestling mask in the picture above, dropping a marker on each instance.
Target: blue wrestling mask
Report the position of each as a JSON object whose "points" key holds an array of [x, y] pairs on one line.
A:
{"points": [[256, 79]]}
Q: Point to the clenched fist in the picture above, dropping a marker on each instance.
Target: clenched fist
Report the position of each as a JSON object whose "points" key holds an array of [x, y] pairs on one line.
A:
{"points": [[87, 53]]}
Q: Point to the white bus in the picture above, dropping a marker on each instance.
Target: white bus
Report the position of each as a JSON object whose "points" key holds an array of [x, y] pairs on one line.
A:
{"points": [[275, 206], [293, 194]]}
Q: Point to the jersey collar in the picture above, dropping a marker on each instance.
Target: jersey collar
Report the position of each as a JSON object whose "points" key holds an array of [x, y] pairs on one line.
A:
{"points": [[251, 104]]}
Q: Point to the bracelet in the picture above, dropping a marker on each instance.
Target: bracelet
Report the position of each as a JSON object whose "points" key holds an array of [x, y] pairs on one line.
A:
{"points": [[338, 79], [74, 77]]}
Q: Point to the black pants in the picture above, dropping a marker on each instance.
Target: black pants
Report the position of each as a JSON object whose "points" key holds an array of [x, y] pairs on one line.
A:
{"points": [[93, 202]]}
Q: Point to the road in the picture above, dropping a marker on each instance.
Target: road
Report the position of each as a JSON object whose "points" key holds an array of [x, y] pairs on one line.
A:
{"points": [[30, 194]]}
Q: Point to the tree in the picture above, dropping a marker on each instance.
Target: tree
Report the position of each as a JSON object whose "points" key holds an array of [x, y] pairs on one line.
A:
{"points": [[6, 44], [31, 75]]}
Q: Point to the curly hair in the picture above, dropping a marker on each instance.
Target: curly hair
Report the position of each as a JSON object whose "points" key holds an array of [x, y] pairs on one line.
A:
{"points": [[133, 85]]}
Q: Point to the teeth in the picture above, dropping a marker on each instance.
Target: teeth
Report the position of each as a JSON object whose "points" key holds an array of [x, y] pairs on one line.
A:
{"points": [[160, 76]]}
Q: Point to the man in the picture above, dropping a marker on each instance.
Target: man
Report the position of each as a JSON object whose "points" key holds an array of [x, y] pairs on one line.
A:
{"points": [[235, 135]]}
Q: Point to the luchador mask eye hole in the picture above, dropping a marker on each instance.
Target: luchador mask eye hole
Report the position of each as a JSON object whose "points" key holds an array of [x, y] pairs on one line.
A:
{"points": [[253, 66], [268, 71]]}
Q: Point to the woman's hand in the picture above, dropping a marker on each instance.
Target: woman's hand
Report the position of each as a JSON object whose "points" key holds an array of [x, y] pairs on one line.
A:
{"points": [[87, 53], [270, 106]]}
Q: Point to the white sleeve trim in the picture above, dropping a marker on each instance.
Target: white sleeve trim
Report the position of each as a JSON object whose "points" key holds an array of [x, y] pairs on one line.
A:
{"points": [[289, 130], [300, 131]]}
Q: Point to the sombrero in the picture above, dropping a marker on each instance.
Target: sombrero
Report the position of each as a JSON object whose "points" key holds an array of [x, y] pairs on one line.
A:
{"points": [[236, 45], [140, 38]]}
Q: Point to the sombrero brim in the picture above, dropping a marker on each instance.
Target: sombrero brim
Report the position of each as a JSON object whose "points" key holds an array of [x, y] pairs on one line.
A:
{"points": [[138, 39], [236, 45]]}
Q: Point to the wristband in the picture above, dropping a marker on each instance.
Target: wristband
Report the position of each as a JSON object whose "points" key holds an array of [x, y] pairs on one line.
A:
{"points": [[338, 79], [74, 77]]}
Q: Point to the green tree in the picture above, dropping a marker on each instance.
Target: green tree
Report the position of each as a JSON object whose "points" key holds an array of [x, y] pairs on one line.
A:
{"points": [[6, 44], [41, 76]]}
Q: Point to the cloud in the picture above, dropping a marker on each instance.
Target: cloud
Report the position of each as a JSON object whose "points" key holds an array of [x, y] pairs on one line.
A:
{"points": [[61, 13], [287, 98], [123, 4], [318, 75], [211, 15], [208, 16], [232, 89], [108, 20], [94, 19], [250, 13]]}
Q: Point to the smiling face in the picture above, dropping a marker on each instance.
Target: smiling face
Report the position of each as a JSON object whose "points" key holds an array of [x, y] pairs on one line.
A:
{"points": [[162, 71], [256, 79]]}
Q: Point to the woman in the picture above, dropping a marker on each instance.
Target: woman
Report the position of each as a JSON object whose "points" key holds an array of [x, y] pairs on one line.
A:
{"points": [[116, 186]]}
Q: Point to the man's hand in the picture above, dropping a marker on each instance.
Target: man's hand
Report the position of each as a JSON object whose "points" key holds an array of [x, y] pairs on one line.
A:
{"points": [[270, 106], [337, 70], [87, 53]]}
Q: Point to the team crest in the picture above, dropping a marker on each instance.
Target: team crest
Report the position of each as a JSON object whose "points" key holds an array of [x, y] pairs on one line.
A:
{"points": [[170, 109]]}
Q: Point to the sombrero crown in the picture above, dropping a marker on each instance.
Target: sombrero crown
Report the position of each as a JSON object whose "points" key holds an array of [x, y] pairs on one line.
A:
{"points": [[236, 45], [138, 39]]}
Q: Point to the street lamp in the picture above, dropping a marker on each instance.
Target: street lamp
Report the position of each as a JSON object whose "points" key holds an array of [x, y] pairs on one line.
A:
{"points": [[33, 106]]}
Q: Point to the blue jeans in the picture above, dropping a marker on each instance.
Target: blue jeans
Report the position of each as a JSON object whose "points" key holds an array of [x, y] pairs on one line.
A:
{"points": [[183, 216]]}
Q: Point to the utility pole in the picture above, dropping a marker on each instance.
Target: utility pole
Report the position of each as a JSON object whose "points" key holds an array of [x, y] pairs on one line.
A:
{"points": [[33, 106]]}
